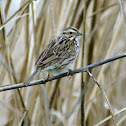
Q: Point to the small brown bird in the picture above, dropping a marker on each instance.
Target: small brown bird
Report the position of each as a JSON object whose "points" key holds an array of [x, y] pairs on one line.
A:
{"points": [[59, 54]]}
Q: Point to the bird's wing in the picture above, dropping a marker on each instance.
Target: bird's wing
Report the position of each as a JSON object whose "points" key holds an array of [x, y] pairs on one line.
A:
{"points": [[45, 53], [55, 51], [64, 48]]}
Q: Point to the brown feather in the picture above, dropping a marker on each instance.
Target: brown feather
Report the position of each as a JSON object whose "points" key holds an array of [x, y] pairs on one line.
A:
{"points": [[55, 51]]}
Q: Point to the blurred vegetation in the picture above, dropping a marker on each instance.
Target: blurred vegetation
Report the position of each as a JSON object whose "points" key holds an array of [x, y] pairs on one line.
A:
{"points": [[26, 28]]}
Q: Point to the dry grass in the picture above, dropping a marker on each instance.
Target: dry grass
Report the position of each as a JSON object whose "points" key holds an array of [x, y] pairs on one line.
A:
{"points": [[27, 27]]}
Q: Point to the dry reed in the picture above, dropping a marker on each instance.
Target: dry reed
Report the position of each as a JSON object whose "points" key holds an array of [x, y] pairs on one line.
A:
{"points": [[26, 27]]}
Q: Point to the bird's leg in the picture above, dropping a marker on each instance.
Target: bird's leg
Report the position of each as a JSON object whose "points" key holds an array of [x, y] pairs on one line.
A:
{"points": [[69, 76], [47, 76]]}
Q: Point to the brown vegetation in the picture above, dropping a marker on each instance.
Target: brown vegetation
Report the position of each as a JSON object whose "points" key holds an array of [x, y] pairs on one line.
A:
{"points": [[26, 27]]}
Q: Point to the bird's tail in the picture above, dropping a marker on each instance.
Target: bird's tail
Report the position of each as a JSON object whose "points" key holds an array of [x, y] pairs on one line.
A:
{"points": [[32, 76]]}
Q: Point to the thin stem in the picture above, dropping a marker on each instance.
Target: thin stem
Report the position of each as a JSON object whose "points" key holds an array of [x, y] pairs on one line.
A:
{"points": [[110, 107], [82, 69]]}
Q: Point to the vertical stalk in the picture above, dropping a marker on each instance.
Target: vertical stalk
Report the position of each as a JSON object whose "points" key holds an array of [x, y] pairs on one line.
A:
{"points": [[83, 123]]}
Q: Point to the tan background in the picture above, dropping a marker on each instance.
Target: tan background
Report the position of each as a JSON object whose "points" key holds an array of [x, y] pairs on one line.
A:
{"points": [[24, 36]]}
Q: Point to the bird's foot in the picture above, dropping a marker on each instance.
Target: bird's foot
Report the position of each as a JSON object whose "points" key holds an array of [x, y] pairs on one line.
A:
{"points": [[26, 83], [47, 76], [69, 76]]}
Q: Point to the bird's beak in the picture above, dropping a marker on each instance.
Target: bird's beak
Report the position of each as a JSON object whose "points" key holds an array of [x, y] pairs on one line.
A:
{"points": [[79, 34]]}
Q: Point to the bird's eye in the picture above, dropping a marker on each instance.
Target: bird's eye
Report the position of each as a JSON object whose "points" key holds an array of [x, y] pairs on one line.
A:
{"points": [[70, 32]]}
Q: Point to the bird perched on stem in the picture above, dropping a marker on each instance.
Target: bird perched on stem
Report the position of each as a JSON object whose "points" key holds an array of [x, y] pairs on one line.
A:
{"points": [[59, 54]]}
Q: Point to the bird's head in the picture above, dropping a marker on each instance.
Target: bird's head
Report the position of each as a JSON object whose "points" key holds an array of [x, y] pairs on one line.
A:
{"points": [[71, 33]]}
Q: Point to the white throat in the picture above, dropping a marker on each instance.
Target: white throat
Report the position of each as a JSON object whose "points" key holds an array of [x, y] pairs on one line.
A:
{"points": [[74, 37]]}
